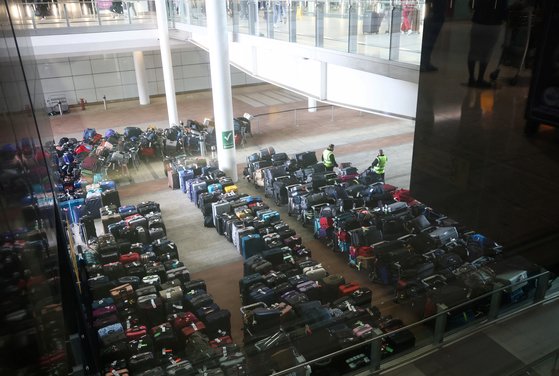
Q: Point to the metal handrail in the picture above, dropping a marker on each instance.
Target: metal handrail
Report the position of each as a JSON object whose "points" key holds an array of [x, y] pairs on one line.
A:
{"points": [[528, 367], [541, 276]]}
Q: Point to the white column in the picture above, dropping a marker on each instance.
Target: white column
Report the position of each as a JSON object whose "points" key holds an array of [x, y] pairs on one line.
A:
{"points": [[312, 105], [221, 87], [166, 62], [141, 77]]}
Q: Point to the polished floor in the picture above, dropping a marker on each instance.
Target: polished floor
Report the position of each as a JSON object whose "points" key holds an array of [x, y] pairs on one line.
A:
{"points": [[357, 137]]}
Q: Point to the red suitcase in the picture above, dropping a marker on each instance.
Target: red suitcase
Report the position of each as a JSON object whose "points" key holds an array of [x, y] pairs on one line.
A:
{"points": [[136, 332], [349, 288], [129, 257], [183, 319]]}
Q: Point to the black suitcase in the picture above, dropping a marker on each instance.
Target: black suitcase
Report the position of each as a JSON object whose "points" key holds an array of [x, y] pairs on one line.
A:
{"points": [[274, 255], [148, 207], [156, 233], [87, 228], [152, 310], [193, 285], [93, 206], [248, 281], [110, 197], [217, 322], [306, 159]]}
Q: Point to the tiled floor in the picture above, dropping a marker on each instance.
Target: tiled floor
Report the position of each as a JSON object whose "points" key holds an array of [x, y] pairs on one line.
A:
{"points": [[357, 136]]}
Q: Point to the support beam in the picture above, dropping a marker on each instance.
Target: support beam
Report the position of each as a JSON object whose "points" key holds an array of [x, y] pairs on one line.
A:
{"points": [[167, 62], [141, 77], [221, 87]]}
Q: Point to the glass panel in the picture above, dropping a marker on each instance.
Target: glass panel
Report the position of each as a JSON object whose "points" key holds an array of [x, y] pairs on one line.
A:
{"points": [[336, 25], [306, 21], [373, 37]]}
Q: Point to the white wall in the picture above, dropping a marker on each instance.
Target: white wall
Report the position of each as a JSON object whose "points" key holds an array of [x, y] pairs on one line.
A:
{"points": [[112, 75], [350, 80]]}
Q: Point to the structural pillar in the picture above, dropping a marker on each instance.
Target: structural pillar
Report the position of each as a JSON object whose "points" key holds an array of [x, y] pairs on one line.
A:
{"points": [[312, 105], [141, 77], [167, 62], [221, 87]]}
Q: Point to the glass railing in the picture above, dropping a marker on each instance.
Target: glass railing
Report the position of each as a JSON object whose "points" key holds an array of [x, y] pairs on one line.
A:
{"points": [[386, 29], [378, 350], [82, 13]]}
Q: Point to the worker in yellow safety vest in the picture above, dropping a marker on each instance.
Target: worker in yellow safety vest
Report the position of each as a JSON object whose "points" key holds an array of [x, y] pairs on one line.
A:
{"points": [[379, 164], [328, 158]]}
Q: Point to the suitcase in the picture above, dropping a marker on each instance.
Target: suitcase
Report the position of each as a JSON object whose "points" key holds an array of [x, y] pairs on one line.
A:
{"points": [[92, 206], [263, 294], [197, 299], [193, 285], [251, 245], [110, 219], [162, 246], [151, 310], [156, 234], [173, 181], [248, 281], [217, 323], [110, 197], [267, 152], [315, 273], [87, 228], [306, 159], [371, 22], [146, 207], [129, 257], [127, 211], [180, 273], [348, 288], [219, 208], [202, 312]]}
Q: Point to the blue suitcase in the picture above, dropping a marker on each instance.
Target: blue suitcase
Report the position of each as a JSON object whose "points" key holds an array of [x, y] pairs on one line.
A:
{"points": [[67, 207], [251, 245], [127, 210], [269, 216], [105, 185], [184, 176], [215, 188], [262, 294]]}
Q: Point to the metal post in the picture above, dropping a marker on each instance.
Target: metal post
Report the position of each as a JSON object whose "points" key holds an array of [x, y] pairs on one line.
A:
{"points": [[542, 287], [352, 32], [396, 21], [270, 20], [495, 303], [128, 11], [440, 325], [375, 350], [319, 25], [292, 20], [97, 12], [60, 107], [33, 18], [252, 16], [202, 145], [105, 102], [66, 15], [235, 14]]}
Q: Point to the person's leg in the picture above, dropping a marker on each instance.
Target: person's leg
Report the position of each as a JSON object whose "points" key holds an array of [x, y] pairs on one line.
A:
{"points": [[471, 72], [481, 73]]}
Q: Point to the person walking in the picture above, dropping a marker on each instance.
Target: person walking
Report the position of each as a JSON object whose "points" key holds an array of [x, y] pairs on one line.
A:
{"points": [[379, 164], [328, 158], [488, 16]]}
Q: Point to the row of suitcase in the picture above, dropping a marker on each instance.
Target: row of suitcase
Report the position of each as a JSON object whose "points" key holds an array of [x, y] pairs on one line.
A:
{"points": [[299, 281], [150, 318]]}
